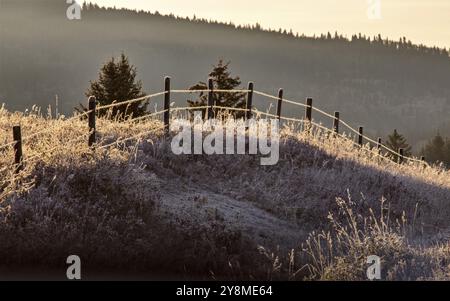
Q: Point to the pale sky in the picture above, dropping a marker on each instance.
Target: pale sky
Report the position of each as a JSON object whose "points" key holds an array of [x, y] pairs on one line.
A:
{"points": [[422, 21]]}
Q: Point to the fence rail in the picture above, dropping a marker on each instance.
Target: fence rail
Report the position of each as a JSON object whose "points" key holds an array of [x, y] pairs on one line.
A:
{"points": [[249, 110]]}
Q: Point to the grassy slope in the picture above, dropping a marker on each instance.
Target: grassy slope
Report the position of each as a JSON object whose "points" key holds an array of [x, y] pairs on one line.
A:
{"points": [[140, 207]]}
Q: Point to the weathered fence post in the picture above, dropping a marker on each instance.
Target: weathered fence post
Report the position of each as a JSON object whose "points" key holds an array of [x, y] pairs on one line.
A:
{"points": [[167, 104], [336, 122], [308, 112], [210, 114], [360, 136], [379, 145], [91, 119], [249, 100], [424, 162], [401, 152], [308, 115], [280, 102], [18, 154]]}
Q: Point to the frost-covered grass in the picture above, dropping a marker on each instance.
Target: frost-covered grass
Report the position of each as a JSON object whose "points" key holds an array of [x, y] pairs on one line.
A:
{"points": [[136, 205]]}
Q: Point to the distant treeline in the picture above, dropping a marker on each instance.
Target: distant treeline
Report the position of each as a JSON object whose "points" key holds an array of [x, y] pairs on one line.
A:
{"points": [[402, 45]]}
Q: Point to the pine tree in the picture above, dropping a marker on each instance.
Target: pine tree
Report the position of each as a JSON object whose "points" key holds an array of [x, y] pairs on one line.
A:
{"points": [[436, 150], [117, 83], [396, 141], [446, 153], [222, 80]]}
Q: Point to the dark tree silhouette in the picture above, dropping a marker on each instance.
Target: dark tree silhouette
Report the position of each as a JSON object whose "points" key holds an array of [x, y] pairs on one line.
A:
{"points": [[437, 150], [396, 141], [117, 83], [222, 80]]}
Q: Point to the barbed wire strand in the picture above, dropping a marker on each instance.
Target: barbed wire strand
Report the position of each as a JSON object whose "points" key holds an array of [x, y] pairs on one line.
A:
{"points": [[207, 91], [230, 108], [7, 145], [32, 159], [285, 100], [189, 108], [63, 143], [281, 117], [333, 117], [371, 150], [140, 99], [149, 115], [219, 107], [85, 113], [265, 114], [323, 113], [293, 119], [383, 146], [131, 138], [49, 128]]}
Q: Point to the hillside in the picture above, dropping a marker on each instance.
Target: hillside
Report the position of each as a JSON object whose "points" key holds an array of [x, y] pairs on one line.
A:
{"points": [[367, 79], [135, 205]]}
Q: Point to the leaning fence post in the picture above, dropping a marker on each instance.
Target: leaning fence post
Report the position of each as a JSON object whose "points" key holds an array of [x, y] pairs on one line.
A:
{"points": [[360, 136], [210, 98], [167, 104], [91, 119], [336, 122], [249, 100], [280, 102], [18, 154], [401, 155]]}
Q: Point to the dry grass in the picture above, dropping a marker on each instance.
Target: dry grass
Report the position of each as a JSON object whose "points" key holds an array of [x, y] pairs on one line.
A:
{"points": [[105, 205]]}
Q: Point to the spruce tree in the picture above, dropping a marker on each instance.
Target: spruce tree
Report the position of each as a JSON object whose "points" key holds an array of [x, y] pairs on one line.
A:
{"points": [[222, 80], [436, 150], [446, 154], [396, 141], [117, 83]]}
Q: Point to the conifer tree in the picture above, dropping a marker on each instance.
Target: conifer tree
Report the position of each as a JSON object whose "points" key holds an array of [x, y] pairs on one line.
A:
{"points": [[396, 141], [222, 80], [117, 83], [436, 150]]}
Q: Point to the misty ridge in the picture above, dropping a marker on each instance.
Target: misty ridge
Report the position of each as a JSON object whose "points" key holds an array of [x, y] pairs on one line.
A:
{"points": [[375, 82]]}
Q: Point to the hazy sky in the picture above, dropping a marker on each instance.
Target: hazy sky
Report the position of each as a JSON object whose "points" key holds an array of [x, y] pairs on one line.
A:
{"points": [[422, 21]]}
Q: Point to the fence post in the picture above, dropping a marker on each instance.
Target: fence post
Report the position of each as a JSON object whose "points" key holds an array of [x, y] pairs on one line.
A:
{"points": [[360, 136], [336, 122], [379, 145], [308, 112], [91, 120], [167, 104], [249, 100], [280, 101], [18, 154], [210, 98], [401, 155]]}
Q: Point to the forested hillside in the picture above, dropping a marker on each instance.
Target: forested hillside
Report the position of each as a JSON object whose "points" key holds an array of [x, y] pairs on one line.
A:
{"points": [[375, 82]]}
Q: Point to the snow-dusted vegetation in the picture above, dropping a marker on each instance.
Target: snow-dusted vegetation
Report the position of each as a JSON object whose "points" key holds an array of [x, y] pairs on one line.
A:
{"points": [[317, 214]]}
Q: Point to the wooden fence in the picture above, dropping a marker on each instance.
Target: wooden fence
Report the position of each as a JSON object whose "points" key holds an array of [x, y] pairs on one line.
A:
{"points": [[249, 110]]}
